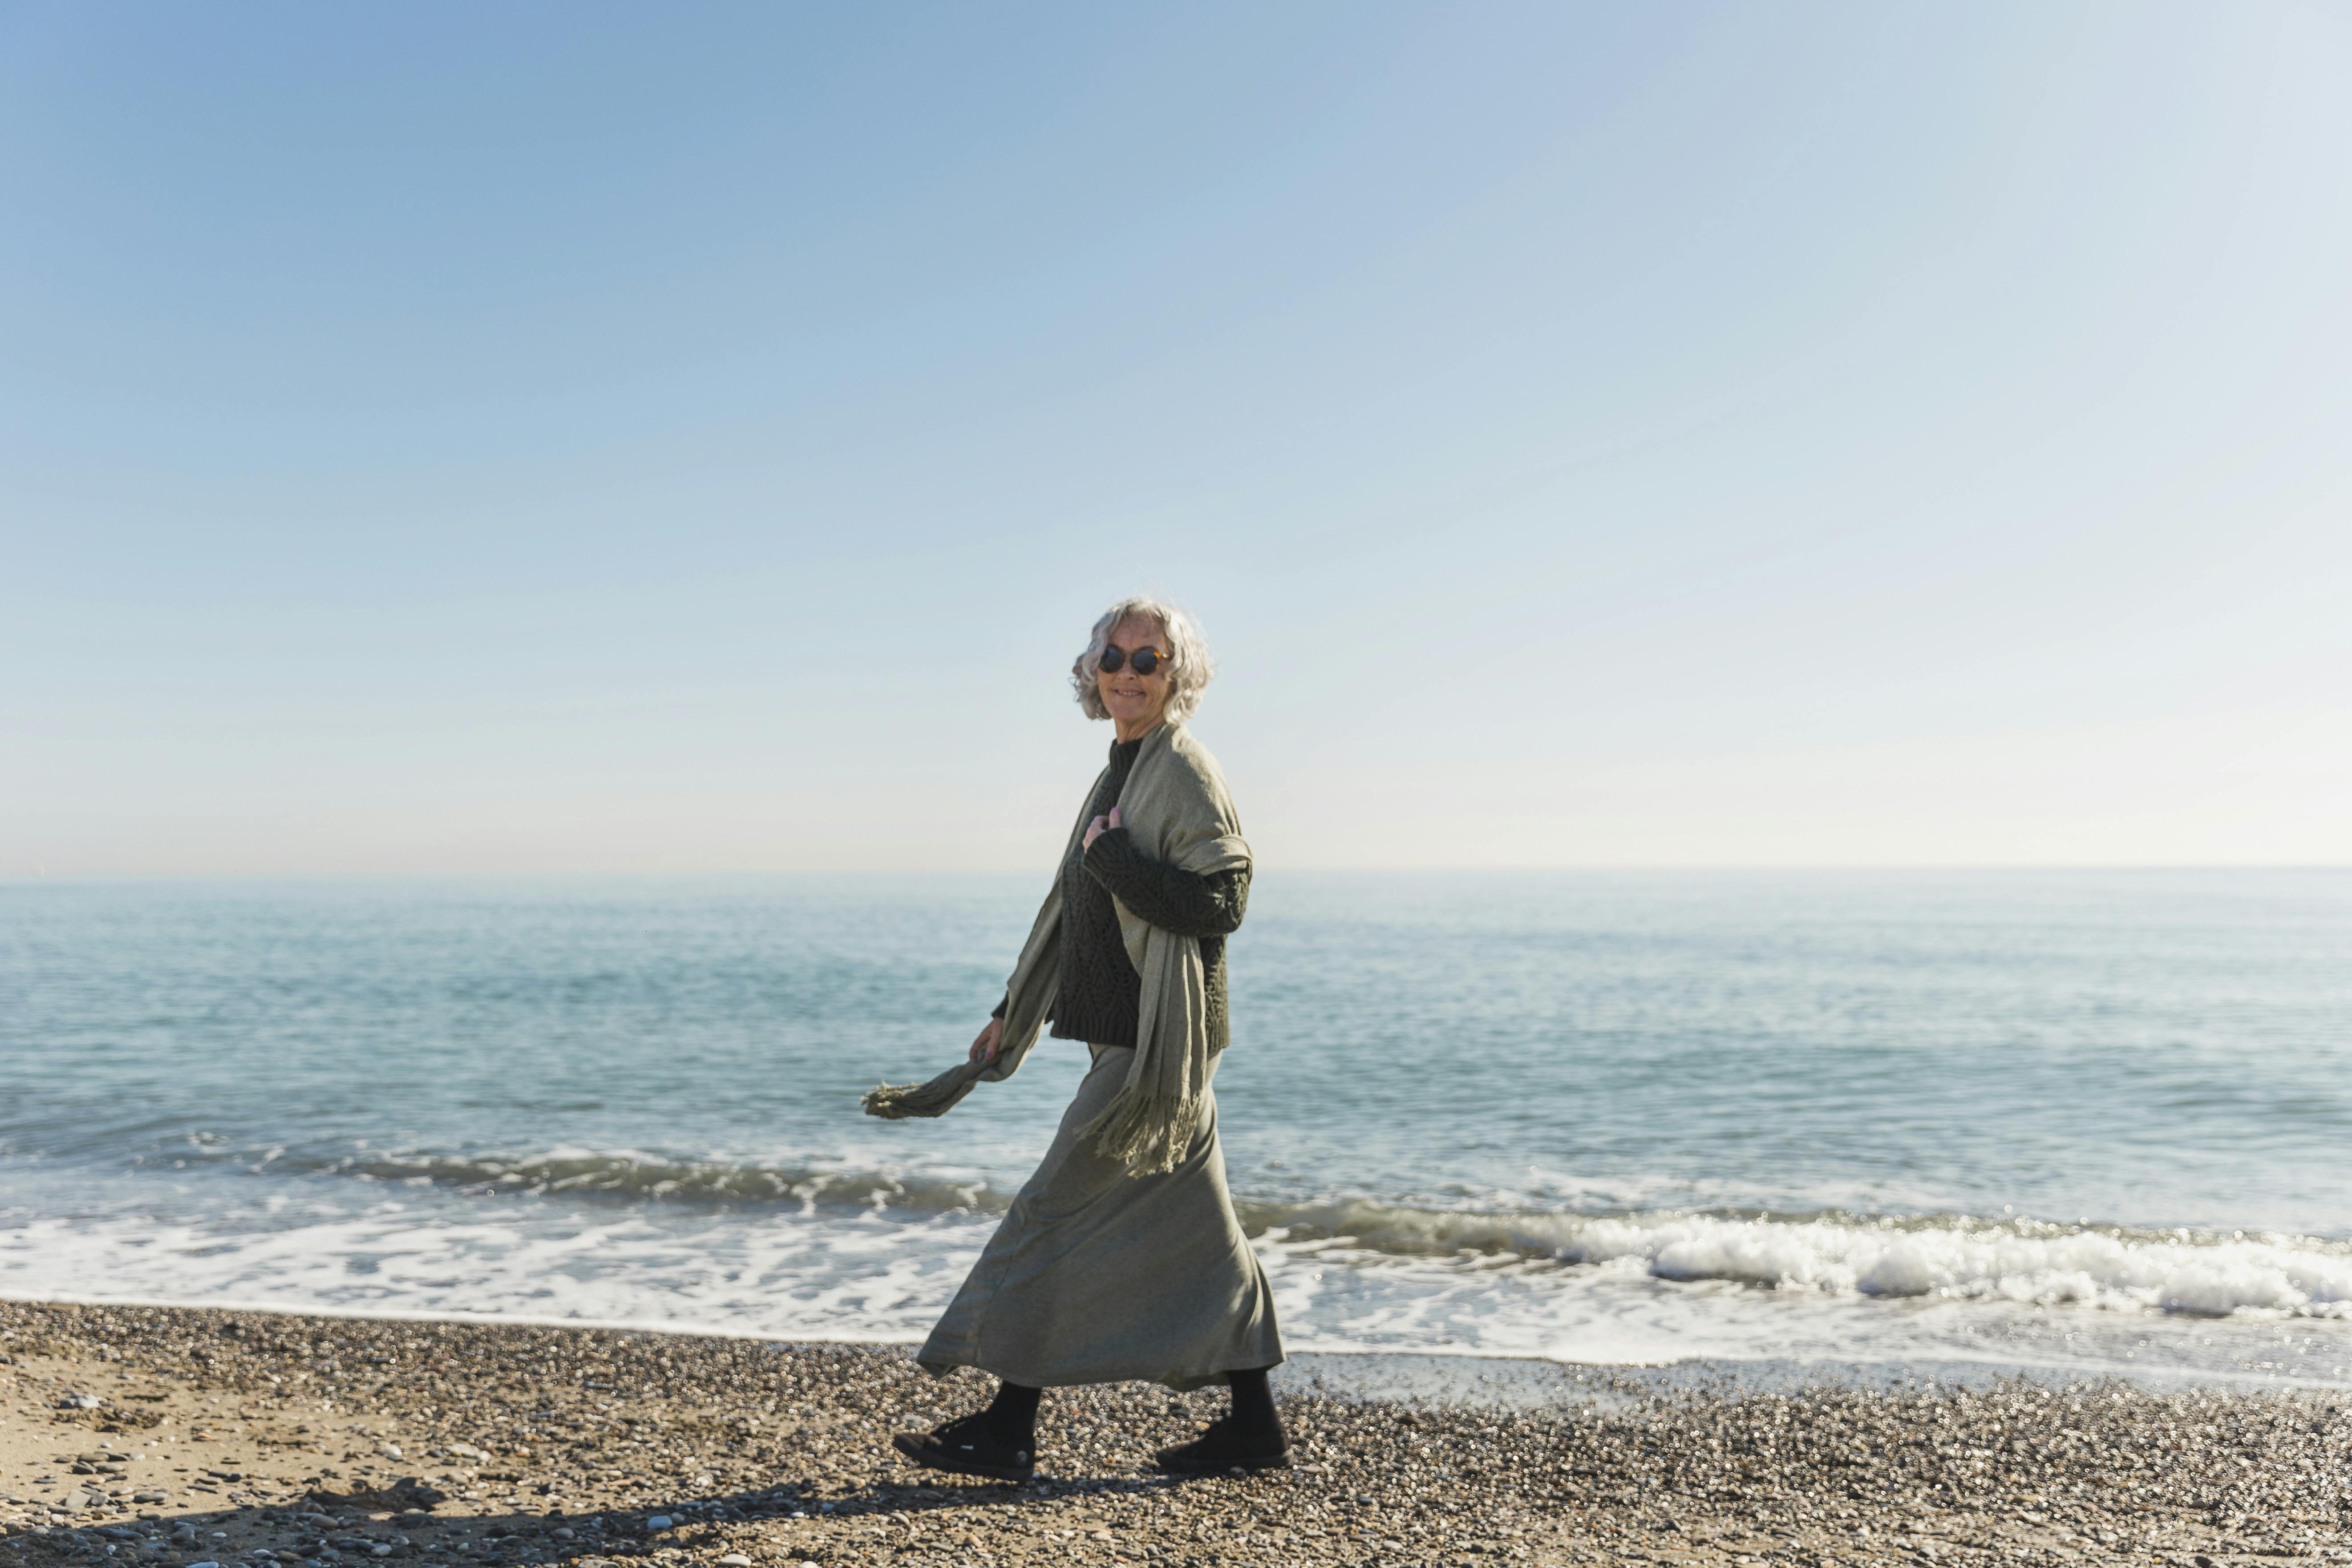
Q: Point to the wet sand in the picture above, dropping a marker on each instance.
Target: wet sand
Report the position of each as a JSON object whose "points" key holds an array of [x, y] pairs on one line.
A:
{"points": [[175, 1436]]}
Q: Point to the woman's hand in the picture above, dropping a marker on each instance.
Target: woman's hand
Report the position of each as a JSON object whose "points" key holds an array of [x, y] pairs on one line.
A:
{"points": [[1099, 826], [984, 1048]]}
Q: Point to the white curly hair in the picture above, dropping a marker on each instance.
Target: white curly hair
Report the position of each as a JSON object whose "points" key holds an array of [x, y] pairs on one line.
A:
{"points": [[1189, 665]]}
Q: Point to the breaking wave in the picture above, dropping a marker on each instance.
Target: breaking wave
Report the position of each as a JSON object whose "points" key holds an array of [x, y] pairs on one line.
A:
{"points": [[1953, 1258], [635, 1175], [1826, 1254], [1940, 1257]]}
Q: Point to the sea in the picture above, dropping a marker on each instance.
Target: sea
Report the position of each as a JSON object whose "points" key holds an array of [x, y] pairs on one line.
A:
{"points": [[2079, 1124]]}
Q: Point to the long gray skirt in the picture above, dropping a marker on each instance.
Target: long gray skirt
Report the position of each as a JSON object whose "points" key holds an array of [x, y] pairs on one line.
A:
{"points": [[1099, 1276]]}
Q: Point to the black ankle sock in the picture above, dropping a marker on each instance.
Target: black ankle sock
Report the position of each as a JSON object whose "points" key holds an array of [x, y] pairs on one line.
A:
{"points": [[1254, 1403], [1014, 1413]]}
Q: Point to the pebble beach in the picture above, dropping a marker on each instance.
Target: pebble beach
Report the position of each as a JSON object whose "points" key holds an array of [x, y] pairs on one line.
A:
{"points": [[248, 1439]]}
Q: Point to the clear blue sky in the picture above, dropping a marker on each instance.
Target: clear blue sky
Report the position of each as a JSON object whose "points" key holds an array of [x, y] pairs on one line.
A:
{"points": [[611, 438]]}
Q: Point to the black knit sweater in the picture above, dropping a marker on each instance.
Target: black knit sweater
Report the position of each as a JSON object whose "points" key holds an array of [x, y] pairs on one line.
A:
{"points": [[1100, 992]]}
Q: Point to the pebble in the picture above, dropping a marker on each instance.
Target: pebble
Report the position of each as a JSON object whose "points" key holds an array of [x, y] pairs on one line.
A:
{"points": [[794, 1438]]}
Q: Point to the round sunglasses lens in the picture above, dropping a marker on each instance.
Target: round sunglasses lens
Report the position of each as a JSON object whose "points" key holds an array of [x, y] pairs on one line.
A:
{"points": [[1111, 659], [1145, 661]]}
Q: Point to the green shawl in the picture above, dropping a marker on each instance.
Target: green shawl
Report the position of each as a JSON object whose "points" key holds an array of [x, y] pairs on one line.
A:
{"points": [[1176, 808]]}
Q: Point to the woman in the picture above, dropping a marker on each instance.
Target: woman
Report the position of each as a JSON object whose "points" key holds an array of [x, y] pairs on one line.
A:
{"points": [[1120, 1257]]}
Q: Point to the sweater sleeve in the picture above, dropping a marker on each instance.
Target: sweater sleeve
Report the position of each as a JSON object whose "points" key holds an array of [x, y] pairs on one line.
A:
{"points": [[1188, 903]]}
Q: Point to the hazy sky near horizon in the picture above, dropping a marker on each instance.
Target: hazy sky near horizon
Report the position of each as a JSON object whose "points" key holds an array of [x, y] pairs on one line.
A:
{"points": [[600, 438]]}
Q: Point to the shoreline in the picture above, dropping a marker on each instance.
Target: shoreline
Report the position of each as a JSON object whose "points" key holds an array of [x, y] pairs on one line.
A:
{"points": [[1411, 1375], [320, 1438]]}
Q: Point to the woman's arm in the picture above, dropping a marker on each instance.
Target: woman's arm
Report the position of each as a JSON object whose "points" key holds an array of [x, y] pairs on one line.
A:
{"points": [[1188, 903]]}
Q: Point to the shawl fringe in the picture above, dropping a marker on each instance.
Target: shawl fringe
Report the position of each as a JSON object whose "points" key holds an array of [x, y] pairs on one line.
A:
{"points": [[1147, 1135], [897, 1101]]}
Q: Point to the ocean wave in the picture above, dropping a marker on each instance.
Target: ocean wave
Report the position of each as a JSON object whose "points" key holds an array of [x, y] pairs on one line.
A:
{"points": [[1952, 1258], [1957, 1257], [632, 1174]]}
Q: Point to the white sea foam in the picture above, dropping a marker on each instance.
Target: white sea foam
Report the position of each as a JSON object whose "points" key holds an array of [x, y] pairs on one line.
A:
{"points": [[1623, 1289], [782, 1274], [1950, 1257], [858, 1250], [1947, 1257]]}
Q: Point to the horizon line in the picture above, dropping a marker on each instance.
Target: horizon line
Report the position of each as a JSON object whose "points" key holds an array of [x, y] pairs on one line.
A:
{"points": [[1590, 868]]}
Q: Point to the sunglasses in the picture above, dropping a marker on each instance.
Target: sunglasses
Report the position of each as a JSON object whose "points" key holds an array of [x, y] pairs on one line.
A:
{"points": [[1143, 660]]}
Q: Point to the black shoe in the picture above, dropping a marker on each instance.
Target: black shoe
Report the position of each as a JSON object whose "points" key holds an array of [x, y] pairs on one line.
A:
{"points": [[968, 1447], [1225, 1447]]}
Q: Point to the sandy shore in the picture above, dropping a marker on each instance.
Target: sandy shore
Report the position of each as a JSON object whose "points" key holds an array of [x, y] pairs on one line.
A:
{"points": [[176, 1436]]}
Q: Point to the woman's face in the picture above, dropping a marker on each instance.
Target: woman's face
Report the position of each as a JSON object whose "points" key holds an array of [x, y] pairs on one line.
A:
{"points": [[1135, 703]]}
